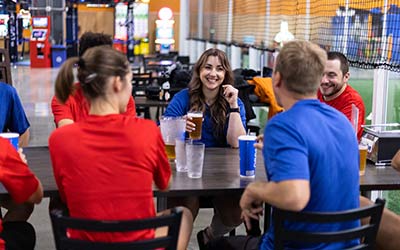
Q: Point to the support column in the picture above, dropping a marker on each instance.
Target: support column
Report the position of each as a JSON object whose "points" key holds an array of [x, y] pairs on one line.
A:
{"points": [[184, 24]]}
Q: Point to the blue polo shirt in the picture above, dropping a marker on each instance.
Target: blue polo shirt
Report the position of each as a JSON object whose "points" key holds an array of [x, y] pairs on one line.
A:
{"points": [[180, 105], [12, 114], [315, 142]]}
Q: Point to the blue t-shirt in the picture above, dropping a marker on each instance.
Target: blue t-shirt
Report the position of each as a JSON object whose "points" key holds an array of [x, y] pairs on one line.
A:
{"points": [[12, 114], [180, 105], [314, 142]]}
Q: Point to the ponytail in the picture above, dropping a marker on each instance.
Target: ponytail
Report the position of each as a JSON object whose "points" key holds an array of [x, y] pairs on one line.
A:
{"points": [[65, 79]]}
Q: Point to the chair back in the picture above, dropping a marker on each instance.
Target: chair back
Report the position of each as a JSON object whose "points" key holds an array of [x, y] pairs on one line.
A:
{"points": [[366, 233], [61, 223], [5, 67]]}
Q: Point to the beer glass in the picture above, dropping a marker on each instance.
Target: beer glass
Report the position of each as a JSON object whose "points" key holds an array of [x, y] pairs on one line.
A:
{"points": [[363, 150], [197, 118], [171, 129]]}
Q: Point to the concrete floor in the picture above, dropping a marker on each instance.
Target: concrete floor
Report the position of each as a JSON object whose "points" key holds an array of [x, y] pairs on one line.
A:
{"points": [[35, 88]]}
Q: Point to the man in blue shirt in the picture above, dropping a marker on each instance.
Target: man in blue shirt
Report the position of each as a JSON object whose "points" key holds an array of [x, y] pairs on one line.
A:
{"points": [[310, 152], [12, 114]]}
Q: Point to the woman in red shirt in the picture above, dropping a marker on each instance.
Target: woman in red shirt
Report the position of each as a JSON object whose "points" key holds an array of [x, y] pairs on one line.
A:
{"points": [[105, 165]]}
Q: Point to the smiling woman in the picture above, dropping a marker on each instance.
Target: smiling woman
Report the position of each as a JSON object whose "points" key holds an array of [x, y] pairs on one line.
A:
{"points": [[210, 91]]}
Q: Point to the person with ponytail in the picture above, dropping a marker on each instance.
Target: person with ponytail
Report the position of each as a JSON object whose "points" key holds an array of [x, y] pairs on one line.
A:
{"points": [[105, 165], [75, 107]]}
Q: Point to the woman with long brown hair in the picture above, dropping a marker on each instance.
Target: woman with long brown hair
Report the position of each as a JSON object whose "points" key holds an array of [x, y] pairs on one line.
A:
{"points": [[211, 91]]}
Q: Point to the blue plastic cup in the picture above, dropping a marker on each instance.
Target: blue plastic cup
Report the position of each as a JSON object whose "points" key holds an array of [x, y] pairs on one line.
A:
{"points": [[12, 137], [248, 155]]}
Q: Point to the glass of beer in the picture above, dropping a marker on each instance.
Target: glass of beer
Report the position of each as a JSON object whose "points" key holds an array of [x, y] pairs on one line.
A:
{"points": [[363, 150], [170, 148], [171, 129], [197, 118]]}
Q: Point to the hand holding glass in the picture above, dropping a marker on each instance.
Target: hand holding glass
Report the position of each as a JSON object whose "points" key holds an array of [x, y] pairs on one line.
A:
{"points": [[197, 119]]}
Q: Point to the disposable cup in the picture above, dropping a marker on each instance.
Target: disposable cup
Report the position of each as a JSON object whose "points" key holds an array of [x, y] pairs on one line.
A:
{"points": [[248, 155], [12, 137]]}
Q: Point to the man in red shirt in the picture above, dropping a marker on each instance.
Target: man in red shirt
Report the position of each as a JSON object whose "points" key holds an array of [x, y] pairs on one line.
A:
{"points": [[22, 186], [76, 108], [336, 92]]}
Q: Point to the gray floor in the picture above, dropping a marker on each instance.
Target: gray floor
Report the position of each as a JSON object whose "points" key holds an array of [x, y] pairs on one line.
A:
{"points": [[35, 87]]}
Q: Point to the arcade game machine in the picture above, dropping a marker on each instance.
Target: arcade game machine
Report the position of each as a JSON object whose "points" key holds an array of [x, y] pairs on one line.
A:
{"points": [[165, 31], [24, 31], [4, 25], [121, 34], [141, 30], [40, 47]]}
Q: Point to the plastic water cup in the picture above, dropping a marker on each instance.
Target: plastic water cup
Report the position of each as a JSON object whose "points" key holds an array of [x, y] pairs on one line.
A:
{"points": [[12, 137], [180, 155], [195, 159], [248, 155]]}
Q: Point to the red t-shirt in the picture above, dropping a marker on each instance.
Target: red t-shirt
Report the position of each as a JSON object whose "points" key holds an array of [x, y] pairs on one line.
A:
{"points": [[105, 167], [343, 103], [15, 176], [76, 107]]}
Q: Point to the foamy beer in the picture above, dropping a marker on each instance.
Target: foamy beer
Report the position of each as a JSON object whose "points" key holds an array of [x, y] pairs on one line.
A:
{"points": [[363, 150], [197, 118], [170, 150]]}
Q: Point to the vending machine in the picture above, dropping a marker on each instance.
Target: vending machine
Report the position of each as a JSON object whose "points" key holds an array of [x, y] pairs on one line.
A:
{"points": [[165, 31], [40, 47], [120, 28]]}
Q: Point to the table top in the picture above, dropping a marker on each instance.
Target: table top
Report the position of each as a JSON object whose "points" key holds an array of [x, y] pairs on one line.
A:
{"points": [[143, 101], [220, 175]]}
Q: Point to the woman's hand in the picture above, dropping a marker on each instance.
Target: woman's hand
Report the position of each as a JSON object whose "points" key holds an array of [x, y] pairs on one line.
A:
{"points": [[190, 126], [231, 95]]}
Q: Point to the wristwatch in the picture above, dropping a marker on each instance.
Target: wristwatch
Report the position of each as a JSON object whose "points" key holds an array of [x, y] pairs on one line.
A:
{"points": [[232, 110]]}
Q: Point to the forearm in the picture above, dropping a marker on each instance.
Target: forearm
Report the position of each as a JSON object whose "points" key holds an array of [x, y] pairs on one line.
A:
{"points": [[290, 195], [23, 139], [396, 161], [37, 196], [235, 129]]}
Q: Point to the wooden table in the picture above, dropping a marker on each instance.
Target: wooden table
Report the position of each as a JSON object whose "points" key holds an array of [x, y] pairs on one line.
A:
{"points": [[144, 104], [220, 175], [142, 101]]}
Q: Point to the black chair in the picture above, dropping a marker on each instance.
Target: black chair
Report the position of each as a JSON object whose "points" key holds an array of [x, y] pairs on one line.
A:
{"points": [[366, 233], [60, 223], [140, 83]]}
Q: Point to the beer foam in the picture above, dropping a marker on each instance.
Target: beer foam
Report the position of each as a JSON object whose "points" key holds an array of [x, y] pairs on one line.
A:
{"points": [[195, 114]]}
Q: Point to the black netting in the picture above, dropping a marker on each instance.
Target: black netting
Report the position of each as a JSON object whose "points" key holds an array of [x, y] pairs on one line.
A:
{"points": [[361, 31]]}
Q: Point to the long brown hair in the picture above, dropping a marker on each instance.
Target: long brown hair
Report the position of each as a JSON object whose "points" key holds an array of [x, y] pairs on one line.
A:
{"points": [[219, 108], [96, 66]]}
